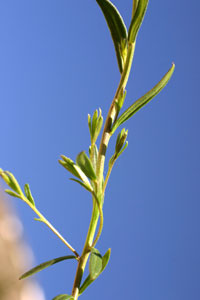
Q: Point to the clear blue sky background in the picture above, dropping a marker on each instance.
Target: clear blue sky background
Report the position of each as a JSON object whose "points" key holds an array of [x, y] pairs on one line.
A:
{"points": [[57, 64]]}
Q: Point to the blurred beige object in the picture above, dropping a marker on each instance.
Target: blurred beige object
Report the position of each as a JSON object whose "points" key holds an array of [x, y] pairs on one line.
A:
{"points": [[15, 258]]}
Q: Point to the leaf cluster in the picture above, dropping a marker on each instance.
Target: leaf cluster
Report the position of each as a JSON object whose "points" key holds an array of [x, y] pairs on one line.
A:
{"points": [[97, 265], [16, 190], [82, 169]]}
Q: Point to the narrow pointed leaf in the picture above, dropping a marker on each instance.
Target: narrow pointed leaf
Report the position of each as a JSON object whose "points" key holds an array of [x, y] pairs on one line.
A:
{"points": [[117, 29], [68, 164], [83, 177], [28, 194], [38, 219], [121, 138], [95, 157], [85, 164], [63, 297], [125, 146], [85, 284], [99, 125], [88, 188], [95, 125], [144, 99], [136, 22], [105, 259], [89, 125], [93, 151], [14, 184], [112, 160], [94, 121], [13, 194], [88, 280], [11, 181], [45, 265], [96, 128], [95, 264], [135, 3]]}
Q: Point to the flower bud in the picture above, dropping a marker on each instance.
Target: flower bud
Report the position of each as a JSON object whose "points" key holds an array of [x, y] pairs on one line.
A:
{"points": [[121, 138]]}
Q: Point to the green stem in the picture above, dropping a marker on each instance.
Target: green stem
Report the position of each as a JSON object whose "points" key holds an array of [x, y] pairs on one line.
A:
{"points": [[86, 251], [45, 221], [99, 171], [108, 176], [97, 210], [112, 114], [99, 205]]}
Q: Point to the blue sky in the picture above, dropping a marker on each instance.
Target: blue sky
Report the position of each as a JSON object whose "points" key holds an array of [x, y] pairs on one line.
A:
{"points": [[57, 64]]}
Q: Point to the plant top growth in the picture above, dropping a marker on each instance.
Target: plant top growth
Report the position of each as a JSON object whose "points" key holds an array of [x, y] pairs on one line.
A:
{"points": [[88, 168]]}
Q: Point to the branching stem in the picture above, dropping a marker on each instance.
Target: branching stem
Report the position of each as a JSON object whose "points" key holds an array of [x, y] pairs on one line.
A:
{"points": [[91, 171], [99, 172]]}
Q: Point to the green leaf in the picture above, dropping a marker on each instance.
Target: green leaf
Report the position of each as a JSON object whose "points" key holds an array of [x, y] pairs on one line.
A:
{"points": [[39, 220], [121, 138], [117, 29], [95, 264], [94, 122], [63, 297], [95, 125], [136, 22], [88, 188], [85, 284], [83, 177], [13, 194], [85, 164], [112, 160], [98, 127], [46, 265], [89, 124], [28, 194], [11, 181], [105, 259], [135, 3], [88, 280], [68, 164], [143, 100], [93, 151], [122, 150]]}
